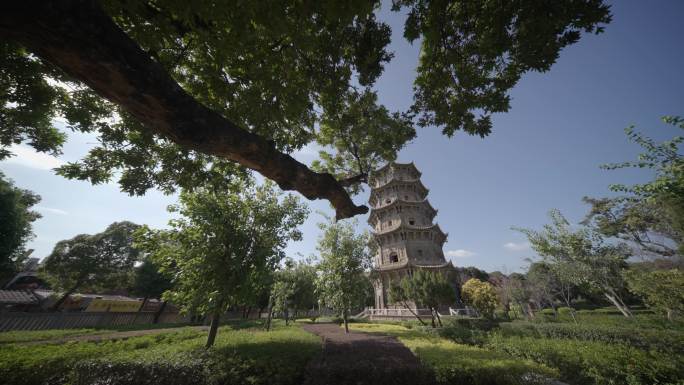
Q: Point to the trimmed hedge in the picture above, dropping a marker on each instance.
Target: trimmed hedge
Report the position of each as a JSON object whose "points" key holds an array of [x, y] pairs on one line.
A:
{"points": [[663, 340], [173, 358], [588, 362]]}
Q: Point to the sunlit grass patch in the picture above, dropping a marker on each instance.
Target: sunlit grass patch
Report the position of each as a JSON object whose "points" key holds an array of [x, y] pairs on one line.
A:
{"points": [[462, 364], [248, 353]]}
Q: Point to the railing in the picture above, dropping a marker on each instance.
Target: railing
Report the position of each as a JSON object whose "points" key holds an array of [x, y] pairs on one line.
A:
{"points": [[465, 312], [399, 313], [41, 321]]}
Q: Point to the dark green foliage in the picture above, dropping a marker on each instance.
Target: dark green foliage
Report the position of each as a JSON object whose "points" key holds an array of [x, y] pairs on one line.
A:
{"points": [[280, 70], [137, 373], [16, 220], [148, 281], [588, 362], [96, 262], [474, 52]]}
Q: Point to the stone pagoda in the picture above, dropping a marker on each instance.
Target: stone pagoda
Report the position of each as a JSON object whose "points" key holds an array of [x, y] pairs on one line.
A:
{"points": [[401, 220]]}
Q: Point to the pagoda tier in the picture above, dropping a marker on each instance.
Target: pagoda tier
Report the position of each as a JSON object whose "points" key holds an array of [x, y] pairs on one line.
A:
{"points": [[411, 212], [393, 189], [402, 220], [405, 232]]}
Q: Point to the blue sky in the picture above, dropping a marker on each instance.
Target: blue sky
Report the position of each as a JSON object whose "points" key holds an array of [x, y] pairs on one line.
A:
{"points": [[545, 153]]}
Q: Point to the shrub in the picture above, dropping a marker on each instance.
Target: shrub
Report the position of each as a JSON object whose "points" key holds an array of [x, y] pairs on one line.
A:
{"points": [[239, 357], [587, 362], [473, 323], [663, 340], [462, 335], [565, 311]]}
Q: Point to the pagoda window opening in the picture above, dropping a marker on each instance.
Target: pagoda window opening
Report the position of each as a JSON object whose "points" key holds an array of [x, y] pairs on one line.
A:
{"points": [[394, 258], [420, 252], [412, 221]]}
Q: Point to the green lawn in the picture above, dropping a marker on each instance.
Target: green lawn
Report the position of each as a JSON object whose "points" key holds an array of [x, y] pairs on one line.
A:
{"points": [[243, 354], [455, 363], [56, 334]]}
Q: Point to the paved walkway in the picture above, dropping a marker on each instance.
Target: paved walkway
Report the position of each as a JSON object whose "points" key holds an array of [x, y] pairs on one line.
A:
{"points": [[111, 336], [361, 358]]}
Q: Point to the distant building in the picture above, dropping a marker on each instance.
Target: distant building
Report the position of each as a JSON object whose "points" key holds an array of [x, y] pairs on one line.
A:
{"points": [[401, 218], [28, 278]]}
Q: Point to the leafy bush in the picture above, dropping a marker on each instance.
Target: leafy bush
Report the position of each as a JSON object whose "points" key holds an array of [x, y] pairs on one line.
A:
{"points": [[463, 335], [588, 362], [565, 311], [473, 323], [239, 357], [664, 340]]}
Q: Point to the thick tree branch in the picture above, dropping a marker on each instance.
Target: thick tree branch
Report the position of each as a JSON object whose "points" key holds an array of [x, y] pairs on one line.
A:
{"points": [[81, 39], [354, 180]]}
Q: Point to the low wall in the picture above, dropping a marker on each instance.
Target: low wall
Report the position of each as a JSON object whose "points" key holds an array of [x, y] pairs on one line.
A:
{"points": [[41, 321]]}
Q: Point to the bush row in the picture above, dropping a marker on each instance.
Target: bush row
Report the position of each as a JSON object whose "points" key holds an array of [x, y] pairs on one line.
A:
{"points": [[239, 357], [588, 362], [663, 340]]}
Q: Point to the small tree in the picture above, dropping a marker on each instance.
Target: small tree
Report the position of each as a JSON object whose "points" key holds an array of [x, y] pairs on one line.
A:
{"points": [[433, 290], [225, 244], [344, 260], [97, 261], [149, 282], [662, 290], [400, 292], [16, 218], [480, 295], [582, 257]]}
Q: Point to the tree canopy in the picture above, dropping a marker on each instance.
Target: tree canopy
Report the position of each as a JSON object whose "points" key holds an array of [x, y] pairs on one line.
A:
{"points": [[224, 245], [95, 262], [16, 218], [481, 296], [178, 91], [651, 215], [345, 258], [582, 257]]}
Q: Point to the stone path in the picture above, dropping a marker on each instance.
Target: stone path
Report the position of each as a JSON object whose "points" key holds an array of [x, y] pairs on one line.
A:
{"points": [[110, 336], [360, 358]]}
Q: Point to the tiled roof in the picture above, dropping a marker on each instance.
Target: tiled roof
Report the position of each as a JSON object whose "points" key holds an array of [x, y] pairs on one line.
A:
{"points": [[17, 297]]}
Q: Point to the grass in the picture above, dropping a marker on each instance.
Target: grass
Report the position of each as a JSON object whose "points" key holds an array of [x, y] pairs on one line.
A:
{"points": [[17, 336], [243, 352], [462, 364]]}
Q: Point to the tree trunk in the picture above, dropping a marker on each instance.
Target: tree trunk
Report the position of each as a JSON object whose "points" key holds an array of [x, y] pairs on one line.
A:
{"points": [[432, 318], [270, 313], [439, 319], [669, 314], [63, 298], [213, 329], [159, 312], [620, 306], [414, 314], [287, 316], [82, 40], [346, 322], [142, 306]]}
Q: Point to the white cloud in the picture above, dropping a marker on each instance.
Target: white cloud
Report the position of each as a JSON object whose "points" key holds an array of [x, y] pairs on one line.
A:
{"points": [[52, 210], [26, 156], [517, 246], [460, 253]]}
